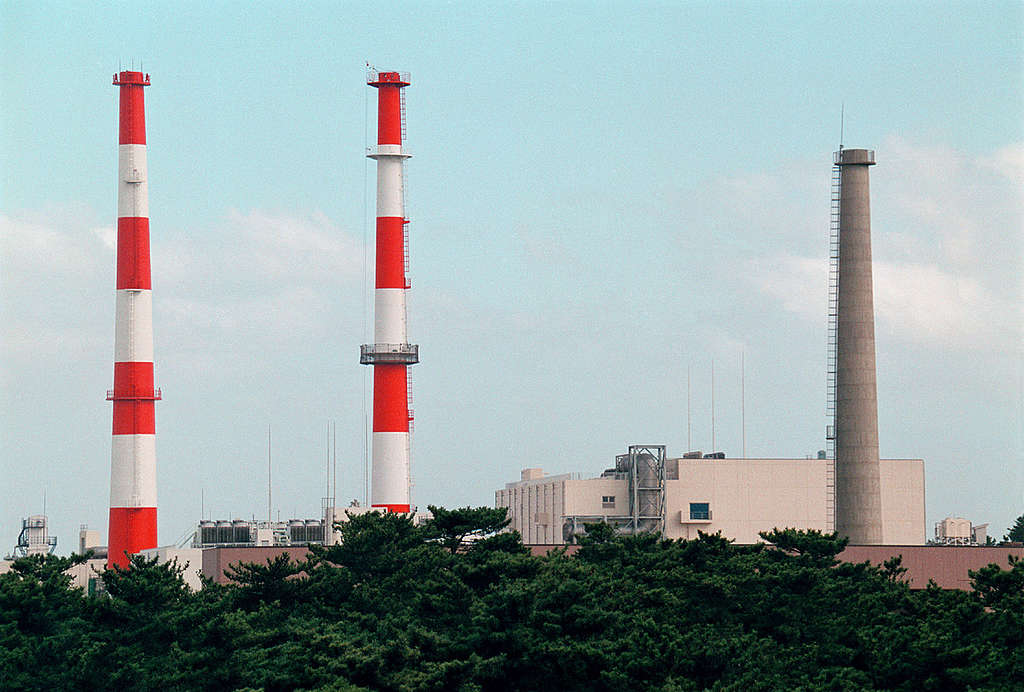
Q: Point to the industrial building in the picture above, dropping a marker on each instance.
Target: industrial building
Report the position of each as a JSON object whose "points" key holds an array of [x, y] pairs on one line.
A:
{"points": [[681, 496], [243, 533]]}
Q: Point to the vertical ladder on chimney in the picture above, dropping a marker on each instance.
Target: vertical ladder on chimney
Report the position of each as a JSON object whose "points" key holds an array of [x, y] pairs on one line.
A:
{"points": [[409, 399], [405, 250], [405, 189], [401, 93], [833, 344]]}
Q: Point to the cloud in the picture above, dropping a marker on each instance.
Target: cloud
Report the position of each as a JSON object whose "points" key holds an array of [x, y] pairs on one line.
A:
{"points": [[1009, 163], [259, 248], [929, 304], [33, 249], [107, 236], [256, 287], [53, 272], [254, 281], [947, 250], [791, 281]]}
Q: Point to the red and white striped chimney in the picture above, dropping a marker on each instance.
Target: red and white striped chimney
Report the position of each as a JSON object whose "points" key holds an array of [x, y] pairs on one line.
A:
{"points": [[133, 452], [390, 354]]}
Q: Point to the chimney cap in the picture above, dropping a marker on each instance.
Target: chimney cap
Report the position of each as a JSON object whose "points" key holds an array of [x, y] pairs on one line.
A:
{"points": [[128, 78], [848, 157]]}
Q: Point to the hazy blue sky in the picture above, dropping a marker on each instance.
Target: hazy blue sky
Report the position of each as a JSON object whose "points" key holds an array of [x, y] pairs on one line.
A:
{"points": [[602, 196]]}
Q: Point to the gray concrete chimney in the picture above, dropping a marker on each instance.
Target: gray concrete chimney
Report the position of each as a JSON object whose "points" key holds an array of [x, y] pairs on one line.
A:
{"points": [[858, 484]]}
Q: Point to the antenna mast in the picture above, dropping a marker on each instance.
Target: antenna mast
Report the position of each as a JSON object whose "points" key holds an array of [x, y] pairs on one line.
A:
{"points": [[712, 404], [842, 123], [743, 402], [689, 445], [269, 515]]}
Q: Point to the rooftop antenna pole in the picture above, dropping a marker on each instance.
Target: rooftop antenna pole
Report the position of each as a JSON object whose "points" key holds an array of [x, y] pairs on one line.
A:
{"points": [[712, 404], [270, 516], [842, 123], [689, 445], [743, 402], [334, 488], [366, 246]]}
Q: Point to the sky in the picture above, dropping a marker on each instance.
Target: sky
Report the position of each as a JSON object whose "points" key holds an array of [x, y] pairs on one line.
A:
{"points": [[606, 199]]}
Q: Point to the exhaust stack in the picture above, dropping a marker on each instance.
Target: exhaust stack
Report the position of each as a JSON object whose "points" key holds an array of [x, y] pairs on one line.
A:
{"points": [[858, 472], [390, 354], [133, 451]]}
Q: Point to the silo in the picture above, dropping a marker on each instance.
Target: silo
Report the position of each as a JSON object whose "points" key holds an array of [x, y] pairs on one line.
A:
{"points": [[857, 471]]}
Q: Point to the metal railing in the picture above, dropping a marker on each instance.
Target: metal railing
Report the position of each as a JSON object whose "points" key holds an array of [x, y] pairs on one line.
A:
{"points": [[869, 158], [389, 353], [374, 75], [388, 150], [156, 395]]}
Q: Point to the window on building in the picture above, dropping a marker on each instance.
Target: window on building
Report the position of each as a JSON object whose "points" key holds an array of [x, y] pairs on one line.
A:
{"points": [[700, 510], [607, 501]]}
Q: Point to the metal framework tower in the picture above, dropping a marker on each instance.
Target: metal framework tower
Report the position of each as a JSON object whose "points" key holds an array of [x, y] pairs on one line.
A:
{"points": [[858, 495], [390, 354], [644, 469], [647, 487], [133, 451]]}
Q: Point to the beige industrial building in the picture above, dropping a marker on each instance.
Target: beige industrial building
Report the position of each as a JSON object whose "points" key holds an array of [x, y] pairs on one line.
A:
{"points": [[679, 497]]}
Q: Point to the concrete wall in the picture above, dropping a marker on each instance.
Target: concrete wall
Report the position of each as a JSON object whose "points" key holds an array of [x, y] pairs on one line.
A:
{"points": [[903, 519], [947, 566], [217, 560], [91, 569], [746, 496], [189, 558], [536, 505], [584, 497]]}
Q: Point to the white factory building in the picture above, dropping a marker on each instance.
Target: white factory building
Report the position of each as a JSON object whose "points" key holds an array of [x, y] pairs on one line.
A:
{"points": [[681, 496]]}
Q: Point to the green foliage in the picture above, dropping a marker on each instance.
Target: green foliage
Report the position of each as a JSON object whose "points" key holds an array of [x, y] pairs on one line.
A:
{"points": [[1016, 532], [821, 548], [275, 582], [453, 526], [401, 607]]}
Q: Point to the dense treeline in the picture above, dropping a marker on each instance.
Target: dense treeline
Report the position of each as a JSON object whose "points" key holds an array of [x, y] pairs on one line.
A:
{"points": [[399, 607]]}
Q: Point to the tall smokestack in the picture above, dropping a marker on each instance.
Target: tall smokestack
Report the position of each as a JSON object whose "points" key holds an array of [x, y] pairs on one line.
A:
{"points": [[133, 452], [390, 354], [858, 485]]}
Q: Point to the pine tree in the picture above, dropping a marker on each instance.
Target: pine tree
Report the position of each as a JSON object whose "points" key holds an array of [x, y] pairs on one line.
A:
{"points": [[1016, 532]]}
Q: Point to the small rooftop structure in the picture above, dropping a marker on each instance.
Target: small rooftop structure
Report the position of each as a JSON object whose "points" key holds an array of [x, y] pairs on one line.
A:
{"points": [[34, 538], [960, 531]]}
